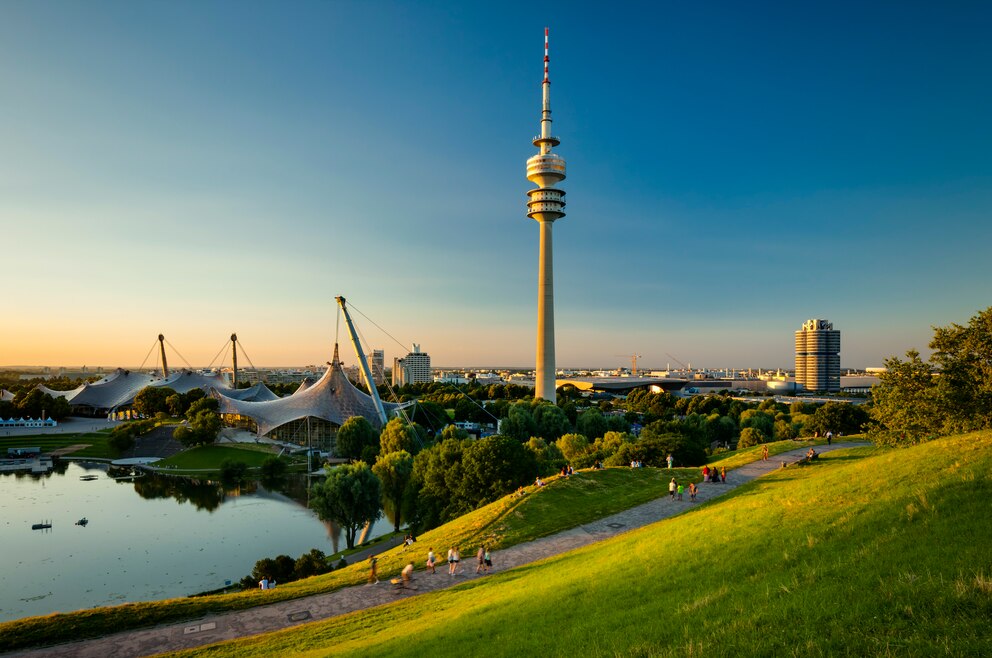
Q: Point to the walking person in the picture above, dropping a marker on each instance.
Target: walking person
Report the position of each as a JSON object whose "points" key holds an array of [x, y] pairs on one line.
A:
{"points": [[723, 474], [488, 558], [373, 570], [764, 453], [830, 436], [681, 488], [431, 560], [671, 488], [706, 473], [480, 560], [452, 562], [692, 492], [670, 460], [457, 558]]}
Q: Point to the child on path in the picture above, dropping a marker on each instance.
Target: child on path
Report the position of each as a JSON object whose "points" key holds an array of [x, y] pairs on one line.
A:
{"points": [[373, 573], [671, 488], [692, 491], [680, 491], [764, 453], [488, 559], [723, 474], [431, 560]]}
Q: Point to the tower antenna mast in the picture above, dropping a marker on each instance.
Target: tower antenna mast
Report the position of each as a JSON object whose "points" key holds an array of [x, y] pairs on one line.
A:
{"points": [[545, 205]]}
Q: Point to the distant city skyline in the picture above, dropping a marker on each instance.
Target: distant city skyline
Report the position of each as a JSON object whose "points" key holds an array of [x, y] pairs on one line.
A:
{"points": [[196, 170]]}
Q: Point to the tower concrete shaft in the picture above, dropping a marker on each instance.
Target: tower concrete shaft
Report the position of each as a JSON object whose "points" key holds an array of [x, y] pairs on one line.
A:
{"points": [[545, 205]]}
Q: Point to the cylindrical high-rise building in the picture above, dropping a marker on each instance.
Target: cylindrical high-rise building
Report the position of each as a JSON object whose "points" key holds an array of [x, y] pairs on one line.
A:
{"points": [[818, 356], [546, 204]]}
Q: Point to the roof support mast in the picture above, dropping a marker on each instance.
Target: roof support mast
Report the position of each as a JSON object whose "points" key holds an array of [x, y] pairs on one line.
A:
{"points": [[234, 353], [165, 364], [363, 362]]}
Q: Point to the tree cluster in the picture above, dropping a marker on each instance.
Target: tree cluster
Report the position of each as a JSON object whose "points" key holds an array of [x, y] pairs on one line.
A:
{"points": [[202, 424], [33, 403], [284, 569], [918, 400]]}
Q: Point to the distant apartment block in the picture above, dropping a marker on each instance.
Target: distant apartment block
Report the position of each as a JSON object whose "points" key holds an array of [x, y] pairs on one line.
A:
{"points": [[818, 356], [414, 368], [378, 366]]}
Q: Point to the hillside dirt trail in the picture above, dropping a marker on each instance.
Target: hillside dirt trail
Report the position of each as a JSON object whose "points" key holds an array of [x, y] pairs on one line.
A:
{"points": [[285, 614]]}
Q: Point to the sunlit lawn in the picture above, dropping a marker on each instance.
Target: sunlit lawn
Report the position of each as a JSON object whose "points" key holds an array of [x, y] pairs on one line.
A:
{"points": [[868, 552]]}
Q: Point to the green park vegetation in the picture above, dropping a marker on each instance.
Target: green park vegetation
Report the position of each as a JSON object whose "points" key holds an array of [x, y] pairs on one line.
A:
{"points": [[563, 503], [868, 552]]}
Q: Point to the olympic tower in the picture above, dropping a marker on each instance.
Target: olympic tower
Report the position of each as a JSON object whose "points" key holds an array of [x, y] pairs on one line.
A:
{"points": [[545, 204]]}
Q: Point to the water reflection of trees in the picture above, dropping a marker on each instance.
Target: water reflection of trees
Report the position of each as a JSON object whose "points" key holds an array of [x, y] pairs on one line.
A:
{"points": [[202, 494]]}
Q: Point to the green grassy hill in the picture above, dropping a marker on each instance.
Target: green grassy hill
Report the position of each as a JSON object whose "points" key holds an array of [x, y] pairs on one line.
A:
{"points": [[563, 504], [868, 552]]}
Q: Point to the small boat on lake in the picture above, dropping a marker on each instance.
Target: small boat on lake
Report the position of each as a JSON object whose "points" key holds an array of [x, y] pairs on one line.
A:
{"points": [[44, 525], [83, 521]]}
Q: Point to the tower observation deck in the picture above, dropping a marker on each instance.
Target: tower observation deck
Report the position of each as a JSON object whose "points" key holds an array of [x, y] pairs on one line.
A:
{"points": [[545, 204]]}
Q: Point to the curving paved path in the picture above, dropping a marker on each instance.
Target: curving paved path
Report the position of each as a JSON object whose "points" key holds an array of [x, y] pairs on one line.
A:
{"points": [[264, 619]]}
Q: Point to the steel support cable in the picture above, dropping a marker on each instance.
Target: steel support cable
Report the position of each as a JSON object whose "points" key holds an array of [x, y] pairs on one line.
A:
{"points": [[219, 352], [147, 355], [177, 352], [362, 340]]}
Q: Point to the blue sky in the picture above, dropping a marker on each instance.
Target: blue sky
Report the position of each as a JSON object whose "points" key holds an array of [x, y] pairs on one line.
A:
{"points": [[734, 169]]}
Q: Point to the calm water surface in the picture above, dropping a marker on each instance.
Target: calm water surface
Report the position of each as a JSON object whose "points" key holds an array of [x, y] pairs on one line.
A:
{"points": [[152, 538]]}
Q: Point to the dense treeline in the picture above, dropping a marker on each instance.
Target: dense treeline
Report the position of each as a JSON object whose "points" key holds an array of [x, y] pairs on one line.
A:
{"points": [[428, 475], [32, 403]]}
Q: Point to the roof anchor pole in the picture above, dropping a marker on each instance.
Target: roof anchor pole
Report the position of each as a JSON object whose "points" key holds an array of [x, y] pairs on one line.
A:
{"points": [[234, 352], [165, 364], [363, 362]]}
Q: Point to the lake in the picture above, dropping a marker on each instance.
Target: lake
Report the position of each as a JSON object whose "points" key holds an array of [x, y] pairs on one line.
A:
{"points": [[151, 538]]}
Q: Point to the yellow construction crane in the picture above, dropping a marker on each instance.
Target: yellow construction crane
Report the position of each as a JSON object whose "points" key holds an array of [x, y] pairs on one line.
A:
{"points": [[633, 362]]}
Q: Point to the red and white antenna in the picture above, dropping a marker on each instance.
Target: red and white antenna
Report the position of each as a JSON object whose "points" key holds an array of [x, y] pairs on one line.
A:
{"points": [[546, 58]]}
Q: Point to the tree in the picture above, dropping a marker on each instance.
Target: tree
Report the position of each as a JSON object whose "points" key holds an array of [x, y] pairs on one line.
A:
{"points": [[551, 422], [309, 564], [202, 404], [760, 420], [152, 399], [591, 424], [233, 472], [493, 467], [350, 496], [519, 423], [963, 356], [397, 436], [437, 476], [429, 414], [572, 446], [837, 417], [202, 429], [176, 404], [394, 470], [751, 436], [272, 468], [355, 434], [906, 406]]}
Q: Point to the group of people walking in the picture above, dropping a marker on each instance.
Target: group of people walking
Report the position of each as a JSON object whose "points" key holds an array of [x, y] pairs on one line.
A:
{"points": [[714, 475], [484, 564]]}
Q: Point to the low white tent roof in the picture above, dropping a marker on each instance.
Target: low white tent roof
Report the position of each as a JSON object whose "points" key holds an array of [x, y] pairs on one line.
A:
{"points": [[333, 398]]}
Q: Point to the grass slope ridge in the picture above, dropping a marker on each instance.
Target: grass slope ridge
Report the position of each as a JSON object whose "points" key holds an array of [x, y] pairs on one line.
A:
{"points": [[869, 552], [563, 504]]}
